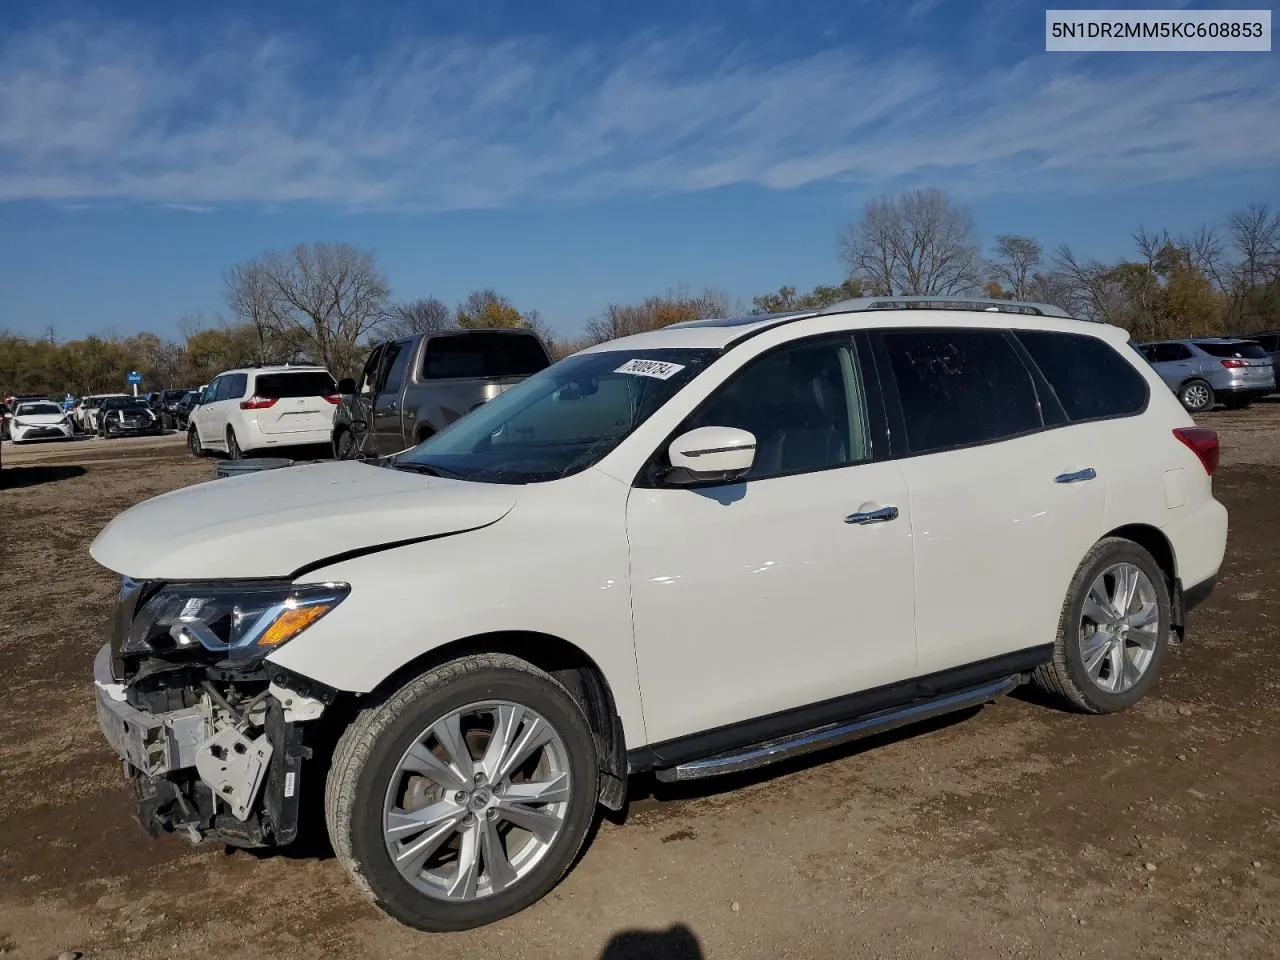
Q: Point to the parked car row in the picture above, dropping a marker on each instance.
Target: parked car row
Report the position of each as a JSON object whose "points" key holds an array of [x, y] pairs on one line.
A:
{"points": [[1205, 371]]}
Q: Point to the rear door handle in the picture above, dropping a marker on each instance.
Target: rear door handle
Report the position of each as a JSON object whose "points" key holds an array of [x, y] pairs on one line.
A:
{"points": [[873, 516], [1088, 473]]}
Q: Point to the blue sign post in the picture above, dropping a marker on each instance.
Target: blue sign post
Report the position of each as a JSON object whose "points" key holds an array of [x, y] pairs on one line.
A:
{"points": [[133, 379]]}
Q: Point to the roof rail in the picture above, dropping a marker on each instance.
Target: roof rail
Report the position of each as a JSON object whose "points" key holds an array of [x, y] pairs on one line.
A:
{"points": [[947, 303]]}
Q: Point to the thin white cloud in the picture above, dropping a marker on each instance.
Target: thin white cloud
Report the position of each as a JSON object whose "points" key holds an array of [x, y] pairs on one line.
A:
{"points": [[447, 123]]}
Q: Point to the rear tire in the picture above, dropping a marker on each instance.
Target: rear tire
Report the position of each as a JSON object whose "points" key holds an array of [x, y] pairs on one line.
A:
{"points": [[1196, 396], [373, 771], [345, 446], [233, 446], [1107, 655]]}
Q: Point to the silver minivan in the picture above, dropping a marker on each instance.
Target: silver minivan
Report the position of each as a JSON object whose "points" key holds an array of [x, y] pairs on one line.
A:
{"points": [[1212, 370]]}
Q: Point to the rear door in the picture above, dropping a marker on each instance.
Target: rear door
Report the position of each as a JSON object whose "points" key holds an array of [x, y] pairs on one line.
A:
{"points": [[1003, 506], [304, 400], [1173, 361]]}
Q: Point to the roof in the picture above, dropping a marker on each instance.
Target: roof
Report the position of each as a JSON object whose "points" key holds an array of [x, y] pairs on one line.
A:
{"points": [[719, 333], [277, 368], [1148, 343]]}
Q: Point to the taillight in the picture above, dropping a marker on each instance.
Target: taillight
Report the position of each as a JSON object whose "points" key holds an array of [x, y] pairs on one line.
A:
{"points": [[1203, 443], [258, 403], [334, 398], [1233, 364]]}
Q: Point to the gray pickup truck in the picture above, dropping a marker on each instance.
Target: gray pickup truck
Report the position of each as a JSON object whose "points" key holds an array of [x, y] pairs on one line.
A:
{"points": [[417, 386]]}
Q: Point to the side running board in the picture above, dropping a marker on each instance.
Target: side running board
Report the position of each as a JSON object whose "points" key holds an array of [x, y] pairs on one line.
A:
{"points": [[771, 751]]}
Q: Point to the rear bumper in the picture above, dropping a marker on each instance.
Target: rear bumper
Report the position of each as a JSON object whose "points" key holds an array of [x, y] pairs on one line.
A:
{"points": [[1248, 388], [300, 438]]}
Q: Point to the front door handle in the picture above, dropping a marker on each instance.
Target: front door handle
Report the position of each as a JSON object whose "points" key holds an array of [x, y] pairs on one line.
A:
{"points": [[1088, 473], [873, 516]]}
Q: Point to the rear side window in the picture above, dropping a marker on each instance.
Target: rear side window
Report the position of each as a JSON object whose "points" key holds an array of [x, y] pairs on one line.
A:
{"points": [[483, 354], [1236, 351], [1089, 377], [313, 383], [960, 387]]}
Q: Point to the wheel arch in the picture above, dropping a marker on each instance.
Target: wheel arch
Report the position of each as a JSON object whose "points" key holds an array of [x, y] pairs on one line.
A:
{"points": [[570, 666], [1153, 540]]}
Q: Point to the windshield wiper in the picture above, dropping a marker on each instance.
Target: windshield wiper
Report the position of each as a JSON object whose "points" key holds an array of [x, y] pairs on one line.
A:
{"points": [[423, 468]]}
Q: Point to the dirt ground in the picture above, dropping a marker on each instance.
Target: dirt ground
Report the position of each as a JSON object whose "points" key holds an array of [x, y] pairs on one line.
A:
{"points": [[1016, 831]]}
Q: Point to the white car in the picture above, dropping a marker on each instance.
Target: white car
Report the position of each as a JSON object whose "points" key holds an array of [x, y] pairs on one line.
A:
{"points": [[86, 412], [39, 420], [693, 551], [245, 411]]}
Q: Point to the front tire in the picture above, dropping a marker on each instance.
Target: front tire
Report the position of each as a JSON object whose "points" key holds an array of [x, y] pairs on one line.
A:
{"points": [[194, 446], [1196, 396], [478, 778], [345, 446], [1113, 632]]}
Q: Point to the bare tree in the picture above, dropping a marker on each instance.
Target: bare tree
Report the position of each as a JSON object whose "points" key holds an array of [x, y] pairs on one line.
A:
{"points": [[251, 298], [653, 313], [917, 244], [325, 298], [1254, 232], [1014, 264], [425, 315]]}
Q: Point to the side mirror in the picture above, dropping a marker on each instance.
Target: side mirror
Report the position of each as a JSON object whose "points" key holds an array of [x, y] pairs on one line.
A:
{"points": [[710, 454], [347, 386]]}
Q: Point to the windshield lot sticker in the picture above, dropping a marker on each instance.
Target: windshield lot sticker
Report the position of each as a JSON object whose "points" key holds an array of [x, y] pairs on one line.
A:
{"points": [[658, 369]]}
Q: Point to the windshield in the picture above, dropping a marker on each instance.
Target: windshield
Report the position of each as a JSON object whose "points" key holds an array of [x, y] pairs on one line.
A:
{"points": [[560, 421], [36, 409]]}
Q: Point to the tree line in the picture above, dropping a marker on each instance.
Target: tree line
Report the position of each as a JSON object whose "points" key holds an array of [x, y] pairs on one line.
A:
{"points": [[327, 302]]}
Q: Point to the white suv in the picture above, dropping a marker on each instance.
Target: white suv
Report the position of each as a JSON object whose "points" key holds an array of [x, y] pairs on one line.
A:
{"points": [[241, 411], [692, 551]]}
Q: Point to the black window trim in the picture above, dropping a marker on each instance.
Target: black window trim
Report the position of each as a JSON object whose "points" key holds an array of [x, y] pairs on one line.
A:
{"points": [[1039, 375], [647, 477], [897, 418]]}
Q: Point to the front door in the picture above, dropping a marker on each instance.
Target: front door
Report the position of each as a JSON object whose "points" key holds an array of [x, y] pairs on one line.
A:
{"points": [[767, 594], [202, 417], [388, 429]]}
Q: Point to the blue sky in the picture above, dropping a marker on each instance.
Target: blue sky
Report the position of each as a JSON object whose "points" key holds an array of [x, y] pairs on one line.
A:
{"points": [[571, 153]]}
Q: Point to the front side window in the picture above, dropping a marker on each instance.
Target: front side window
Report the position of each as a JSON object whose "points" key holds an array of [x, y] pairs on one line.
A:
{"points": [[960, 387], [1089, 377], [560, 421], [805, 405], [211, 391], [397, 362]]}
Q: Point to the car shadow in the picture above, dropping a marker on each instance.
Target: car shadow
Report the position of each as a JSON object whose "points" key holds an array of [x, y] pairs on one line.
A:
{"points": [[676, 943], [13, 478]]}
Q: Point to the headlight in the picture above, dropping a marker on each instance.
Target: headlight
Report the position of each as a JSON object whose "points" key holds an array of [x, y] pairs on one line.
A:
{"points": [[240, 620]]}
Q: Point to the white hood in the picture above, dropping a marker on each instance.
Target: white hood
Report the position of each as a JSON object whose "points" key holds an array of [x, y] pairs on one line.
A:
{"points": [[272, 523]]}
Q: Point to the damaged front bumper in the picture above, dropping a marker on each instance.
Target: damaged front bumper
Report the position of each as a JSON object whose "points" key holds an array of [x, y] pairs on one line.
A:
{"points": [[209, 768]]}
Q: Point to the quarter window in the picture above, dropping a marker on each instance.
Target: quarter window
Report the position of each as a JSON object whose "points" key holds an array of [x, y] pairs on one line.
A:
{"points": [[1089, 377], [804, 403], [960, 387]]}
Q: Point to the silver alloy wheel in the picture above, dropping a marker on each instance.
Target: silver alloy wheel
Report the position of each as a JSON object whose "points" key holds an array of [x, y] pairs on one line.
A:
{"points": [[477, 801], [1196, 396], [1119, 627]]}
